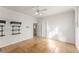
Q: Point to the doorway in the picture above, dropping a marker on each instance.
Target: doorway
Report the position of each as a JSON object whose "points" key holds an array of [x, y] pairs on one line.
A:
{"points": [[35, 30]]}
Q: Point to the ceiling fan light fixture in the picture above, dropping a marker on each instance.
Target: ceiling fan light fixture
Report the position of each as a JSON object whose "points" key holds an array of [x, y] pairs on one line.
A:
{"points": [[40, 14], [38, 11]]}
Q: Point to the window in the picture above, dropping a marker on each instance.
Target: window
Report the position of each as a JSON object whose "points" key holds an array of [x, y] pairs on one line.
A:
{"points": [[16, 27], [2, 25]]}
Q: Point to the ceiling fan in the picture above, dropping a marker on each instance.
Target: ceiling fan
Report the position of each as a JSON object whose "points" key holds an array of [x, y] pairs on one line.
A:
{"points": [[38, 10]]}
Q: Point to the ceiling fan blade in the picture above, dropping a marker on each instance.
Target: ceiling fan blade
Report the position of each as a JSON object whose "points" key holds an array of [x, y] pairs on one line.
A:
{"points": [[43, 10]]}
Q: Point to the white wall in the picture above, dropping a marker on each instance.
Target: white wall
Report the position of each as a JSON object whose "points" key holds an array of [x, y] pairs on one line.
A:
{"points": [[26, 33], [60, 26], [77, 27]]}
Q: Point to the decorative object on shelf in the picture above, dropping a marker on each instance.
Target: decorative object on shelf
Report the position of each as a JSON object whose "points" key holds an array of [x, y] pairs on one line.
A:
{"points": [[2, 25], [15, 27]]}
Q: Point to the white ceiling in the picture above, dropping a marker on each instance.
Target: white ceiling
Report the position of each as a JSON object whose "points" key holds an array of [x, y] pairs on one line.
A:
{"points": [[51, 10]]}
